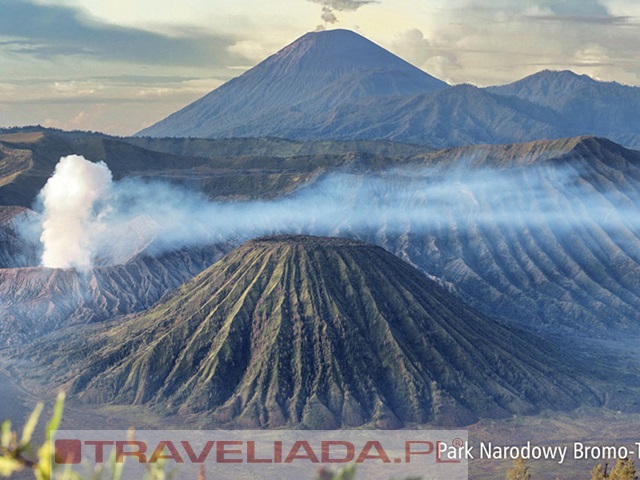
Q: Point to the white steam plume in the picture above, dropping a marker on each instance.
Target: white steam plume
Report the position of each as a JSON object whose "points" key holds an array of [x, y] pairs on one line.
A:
{"points": [[71, 217], [132, 215]]}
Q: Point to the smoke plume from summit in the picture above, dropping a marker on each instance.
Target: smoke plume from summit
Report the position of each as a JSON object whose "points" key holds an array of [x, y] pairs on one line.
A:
{"points": [[329, 7]]}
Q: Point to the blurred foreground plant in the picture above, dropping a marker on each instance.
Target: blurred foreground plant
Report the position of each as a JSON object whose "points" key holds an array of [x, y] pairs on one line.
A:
{"points": [[18, 455], [623, 470]]}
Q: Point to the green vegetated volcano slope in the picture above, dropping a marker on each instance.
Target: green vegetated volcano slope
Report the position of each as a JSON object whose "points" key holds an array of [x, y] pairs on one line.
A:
{"points": [[320, 333]]}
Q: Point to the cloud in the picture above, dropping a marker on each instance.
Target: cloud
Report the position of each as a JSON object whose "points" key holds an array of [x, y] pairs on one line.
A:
{"points": [[48, 31], [586, 8], [587, 12], [414, 47], [118, 104], [488, 43], [585, 19], [85, 119], [144, 79], [253, 50]]}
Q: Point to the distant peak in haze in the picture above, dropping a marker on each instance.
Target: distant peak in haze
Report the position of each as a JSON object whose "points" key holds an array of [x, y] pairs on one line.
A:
{"points": [[566, 80], [340, 51], [583, 105], [299, 87], [565, 76]]}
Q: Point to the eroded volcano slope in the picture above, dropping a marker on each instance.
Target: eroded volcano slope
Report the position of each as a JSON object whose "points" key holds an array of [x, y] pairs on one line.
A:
{"points": [[318, 332]]}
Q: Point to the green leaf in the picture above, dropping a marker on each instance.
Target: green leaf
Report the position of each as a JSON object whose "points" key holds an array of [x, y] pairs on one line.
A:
{"points": [[118, 468], [54, 423], [68, 474], [43, 470], [347, 473], [6, 434], [9, 466], [30, 426]]}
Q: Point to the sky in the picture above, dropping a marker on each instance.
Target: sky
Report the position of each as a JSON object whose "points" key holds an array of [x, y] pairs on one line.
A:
{"points": [[117, 66]]}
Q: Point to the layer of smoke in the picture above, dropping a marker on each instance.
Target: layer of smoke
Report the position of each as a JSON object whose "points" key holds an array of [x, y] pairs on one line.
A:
{"points": [[71, 214], [133, 215]]}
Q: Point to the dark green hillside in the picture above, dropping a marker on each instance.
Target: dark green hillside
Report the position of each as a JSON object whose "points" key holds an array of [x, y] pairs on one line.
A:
{"points": [[320, 333], [221, 169], [273, 147]]}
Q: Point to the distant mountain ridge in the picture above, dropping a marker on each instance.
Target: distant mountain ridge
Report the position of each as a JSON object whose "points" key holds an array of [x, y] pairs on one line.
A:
{"points": [[589, 106], [338, 85]]}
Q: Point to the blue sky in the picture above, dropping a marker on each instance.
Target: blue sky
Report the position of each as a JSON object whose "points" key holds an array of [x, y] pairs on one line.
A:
{"points": [[120, 65]]}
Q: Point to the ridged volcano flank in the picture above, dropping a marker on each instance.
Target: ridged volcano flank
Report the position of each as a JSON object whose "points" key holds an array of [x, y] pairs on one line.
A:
{"points": [[322, 333]]}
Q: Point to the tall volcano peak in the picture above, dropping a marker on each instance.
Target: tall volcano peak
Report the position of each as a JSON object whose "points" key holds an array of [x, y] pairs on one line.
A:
{"points": [[301, 83], [340, 49]]}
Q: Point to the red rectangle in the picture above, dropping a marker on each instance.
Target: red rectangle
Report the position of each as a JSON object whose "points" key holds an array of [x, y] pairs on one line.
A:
{"points": [[68, 452]]}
